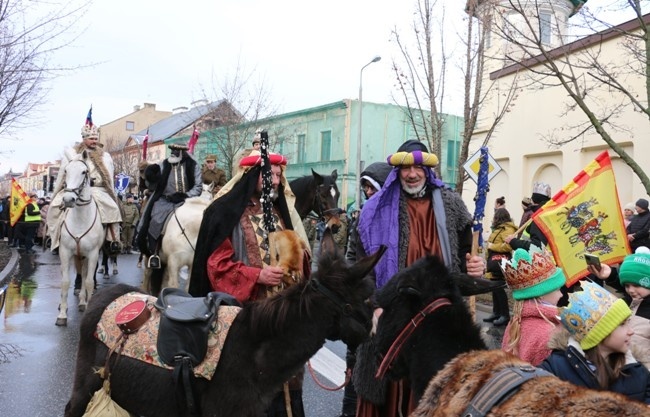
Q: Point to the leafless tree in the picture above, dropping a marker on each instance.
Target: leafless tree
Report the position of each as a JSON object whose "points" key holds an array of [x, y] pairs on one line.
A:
{"points": [[234, 125], [584, 71], [422, 74], [31, 33]]}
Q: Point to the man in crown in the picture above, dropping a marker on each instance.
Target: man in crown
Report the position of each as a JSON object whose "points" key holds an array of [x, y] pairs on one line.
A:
{"points": [[101, 174], [173, 180]]}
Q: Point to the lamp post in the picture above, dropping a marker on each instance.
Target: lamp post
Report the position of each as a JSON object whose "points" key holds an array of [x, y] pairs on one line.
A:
{"points": [[357, 203]]}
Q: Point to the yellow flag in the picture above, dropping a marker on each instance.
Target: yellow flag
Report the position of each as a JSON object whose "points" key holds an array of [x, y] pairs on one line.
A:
{"points": [[585, 217], [19, 201]]}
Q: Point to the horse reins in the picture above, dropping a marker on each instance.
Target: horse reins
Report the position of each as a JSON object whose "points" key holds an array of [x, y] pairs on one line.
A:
{"points": [[80, 202], [183, 230], [321, 207], [348, 377], [406, 332]]}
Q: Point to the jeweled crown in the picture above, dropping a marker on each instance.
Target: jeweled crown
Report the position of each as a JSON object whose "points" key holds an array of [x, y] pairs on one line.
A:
{"points": [[528, 268], [89, 131]]}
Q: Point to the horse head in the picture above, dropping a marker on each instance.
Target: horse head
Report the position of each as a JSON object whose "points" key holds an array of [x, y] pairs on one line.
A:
{"points": [[77, 179], [348, 288], [428, 295], [327, 198]]}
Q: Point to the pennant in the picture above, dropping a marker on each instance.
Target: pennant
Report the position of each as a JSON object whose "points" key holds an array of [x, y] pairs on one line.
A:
{"points": [[193, 140], [145, 143], [19, 201], [585, 217], [89, 117]]}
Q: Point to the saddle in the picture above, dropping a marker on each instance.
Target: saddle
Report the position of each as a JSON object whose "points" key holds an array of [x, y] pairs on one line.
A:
{"points": [[185, 324]]}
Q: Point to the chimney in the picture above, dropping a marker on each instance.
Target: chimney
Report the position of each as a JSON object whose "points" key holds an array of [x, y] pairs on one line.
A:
{"points": [[179, 110], [136, 107], [151, 106], [200, 102]]}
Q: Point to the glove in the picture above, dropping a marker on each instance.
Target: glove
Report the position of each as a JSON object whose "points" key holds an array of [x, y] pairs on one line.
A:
{"points": [[177, 198]]}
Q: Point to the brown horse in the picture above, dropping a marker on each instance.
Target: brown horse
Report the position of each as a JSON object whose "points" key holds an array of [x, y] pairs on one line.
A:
{"points": [[269, 341]]}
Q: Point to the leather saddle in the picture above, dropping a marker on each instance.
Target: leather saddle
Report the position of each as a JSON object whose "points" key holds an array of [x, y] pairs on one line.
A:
{"points": [[185, 323]]}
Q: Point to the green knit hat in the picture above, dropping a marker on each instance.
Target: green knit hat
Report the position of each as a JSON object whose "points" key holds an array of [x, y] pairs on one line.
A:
{"points": [[532, 273], [592, 314], [635, 269]]}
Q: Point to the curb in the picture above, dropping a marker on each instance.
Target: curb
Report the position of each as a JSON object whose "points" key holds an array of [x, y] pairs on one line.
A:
{"points": [[11, 265]]}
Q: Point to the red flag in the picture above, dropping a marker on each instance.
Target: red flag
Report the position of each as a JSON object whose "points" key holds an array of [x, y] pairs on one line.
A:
{"points": [[193, 140], [585, 218], [145, 142]]}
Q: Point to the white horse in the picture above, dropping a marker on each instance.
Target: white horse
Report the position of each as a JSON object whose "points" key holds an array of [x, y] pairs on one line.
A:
{"points": [[82, 233], [179, 242]]}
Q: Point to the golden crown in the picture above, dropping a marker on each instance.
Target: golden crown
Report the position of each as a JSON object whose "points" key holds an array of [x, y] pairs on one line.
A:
{"points": [[528, 268]]}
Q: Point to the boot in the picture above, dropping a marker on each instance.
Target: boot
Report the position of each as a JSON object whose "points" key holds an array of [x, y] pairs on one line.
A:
{"points": [[501, 321], [491, 318], [115, 247]]}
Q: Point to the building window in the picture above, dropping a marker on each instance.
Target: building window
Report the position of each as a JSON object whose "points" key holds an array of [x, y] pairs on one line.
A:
{"points": [[325, 145], [130, 126], [545, 27], [281, 146], [301, 149]]}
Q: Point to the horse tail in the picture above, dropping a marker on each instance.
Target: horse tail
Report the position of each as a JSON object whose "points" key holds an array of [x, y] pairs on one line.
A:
{"points": [[77, 264]]}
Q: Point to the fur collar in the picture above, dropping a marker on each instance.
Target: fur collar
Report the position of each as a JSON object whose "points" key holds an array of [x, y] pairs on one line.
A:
{"points": [[97, 157]]}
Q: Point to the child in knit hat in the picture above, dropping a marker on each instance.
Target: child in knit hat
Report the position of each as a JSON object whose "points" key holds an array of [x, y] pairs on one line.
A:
{"points": [[634, 275], [535, 282], [597, 340]]}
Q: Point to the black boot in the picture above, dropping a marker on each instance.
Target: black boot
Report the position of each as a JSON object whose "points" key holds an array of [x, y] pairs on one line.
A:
{"points": [[501, 321], [115, 247], [491, 318]]}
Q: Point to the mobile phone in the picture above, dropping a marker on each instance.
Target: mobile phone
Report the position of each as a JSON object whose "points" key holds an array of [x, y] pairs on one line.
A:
{"points": [[592, 260]]}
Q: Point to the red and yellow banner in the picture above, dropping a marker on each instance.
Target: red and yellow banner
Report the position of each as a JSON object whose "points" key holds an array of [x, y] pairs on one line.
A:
{"points": [[19, 201], [585, 217]]}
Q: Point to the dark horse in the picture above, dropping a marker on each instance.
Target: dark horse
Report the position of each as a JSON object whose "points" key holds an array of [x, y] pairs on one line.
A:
{"points": [[269, 341], [318, 193]]}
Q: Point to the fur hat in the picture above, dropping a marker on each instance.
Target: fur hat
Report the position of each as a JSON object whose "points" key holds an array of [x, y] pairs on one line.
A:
{"points": [[526, 201], [592, 314], [178, 146], [532, 273], [642, 203], [211, 157], [413, 152], [541, 193], [89, 131], [635, 268], [142, 165]]}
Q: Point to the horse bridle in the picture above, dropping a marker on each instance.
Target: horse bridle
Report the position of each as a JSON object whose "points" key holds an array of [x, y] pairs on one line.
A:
{"points": [[321, 207], [406, 333], [77, 191], [345, 307]]}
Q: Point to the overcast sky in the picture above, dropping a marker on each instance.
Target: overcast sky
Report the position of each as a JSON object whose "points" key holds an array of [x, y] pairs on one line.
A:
{"points": [[158, 51]]}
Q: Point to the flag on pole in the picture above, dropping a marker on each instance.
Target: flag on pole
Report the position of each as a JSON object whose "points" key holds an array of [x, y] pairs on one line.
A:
{"points": [[19, 201], [193, 140], [145, 143], [585, 218], [89, 117]]}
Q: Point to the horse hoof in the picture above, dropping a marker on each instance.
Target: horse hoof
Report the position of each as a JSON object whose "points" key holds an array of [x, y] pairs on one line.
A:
{"points": [[82, 308], [61, 322], [77, 291], [106, 276], [115, 272]]}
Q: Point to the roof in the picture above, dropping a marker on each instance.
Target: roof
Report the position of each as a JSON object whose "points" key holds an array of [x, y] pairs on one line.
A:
{"points": [[172, 125]]}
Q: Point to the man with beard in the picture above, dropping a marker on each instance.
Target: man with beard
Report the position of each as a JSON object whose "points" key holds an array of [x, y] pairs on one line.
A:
{"points": [[100, 172], [177, 178], [414, 215], [235, 257]]}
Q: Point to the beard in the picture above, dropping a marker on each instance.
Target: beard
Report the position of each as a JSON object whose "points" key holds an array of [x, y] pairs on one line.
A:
{"points": [[414, 190], [273, 195], [174, 159]]}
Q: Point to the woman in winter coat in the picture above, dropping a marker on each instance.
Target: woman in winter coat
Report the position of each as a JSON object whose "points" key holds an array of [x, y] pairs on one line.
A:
{"points": [[593, 349], [498, 249]]}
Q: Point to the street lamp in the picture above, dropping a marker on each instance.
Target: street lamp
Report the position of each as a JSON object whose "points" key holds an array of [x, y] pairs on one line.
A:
{"points": [[357, 203]]}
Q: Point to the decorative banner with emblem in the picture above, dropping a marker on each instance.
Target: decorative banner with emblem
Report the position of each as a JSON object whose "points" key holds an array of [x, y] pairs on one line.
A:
{"points": [[473, 165], [121, 182]]}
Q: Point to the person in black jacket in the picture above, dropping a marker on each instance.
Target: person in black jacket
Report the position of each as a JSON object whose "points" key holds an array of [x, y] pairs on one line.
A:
{"points": [[532, 235], [637, 230], [594, 351]]}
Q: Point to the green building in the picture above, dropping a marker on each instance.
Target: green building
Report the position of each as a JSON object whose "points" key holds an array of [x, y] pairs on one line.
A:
{"points": [[325, 138]]}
